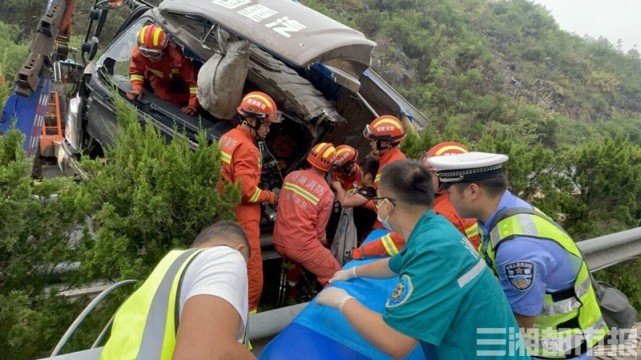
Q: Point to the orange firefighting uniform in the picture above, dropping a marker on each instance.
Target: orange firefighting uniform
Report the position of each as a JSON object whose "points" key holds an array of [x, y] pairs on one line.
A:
{"points": [[392, 155], [348, 182], [161, 74], [241, 163], [304, 207], [392, 243]]}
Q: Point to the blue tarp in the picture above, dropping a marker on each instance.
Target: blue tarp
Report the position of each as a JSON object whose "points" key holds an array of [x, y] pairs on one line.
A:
{"points": [[320, 332], [29, 113]]}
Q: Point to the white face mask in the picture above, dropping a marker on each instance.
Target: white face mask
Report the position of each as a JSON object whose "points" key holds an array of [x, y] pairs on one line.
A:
{"points": [[384, 221]]}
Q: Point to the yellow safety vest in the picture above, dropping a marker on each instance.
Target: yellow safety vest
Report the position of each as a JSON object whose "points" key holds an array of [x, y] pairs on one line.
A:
{"points": [[570, 322], [145, 325]]}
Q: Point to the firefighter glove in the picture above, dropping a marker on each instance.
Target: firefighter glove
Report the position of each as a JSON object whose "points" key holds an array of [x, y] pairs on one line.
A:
{"points": [[333, 297], [344, 275]]}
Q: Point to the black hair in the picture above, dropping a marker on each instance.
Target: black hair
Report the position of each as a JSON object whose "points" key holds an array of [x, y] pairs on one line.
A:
{"points": [[369, 165], [222, 232], [494, 185], [409, 181]]}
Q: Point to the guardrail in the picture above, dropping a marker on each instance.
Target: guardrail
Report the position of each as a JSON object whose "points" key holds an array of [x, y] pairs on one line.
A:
{"points": [[612, 249], [599, 253]]}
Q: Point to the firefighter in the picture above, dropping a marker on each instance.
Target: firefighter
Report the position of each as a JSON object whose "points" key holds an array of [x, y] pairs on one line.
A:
{"points": [[442, 206], [364, 217], [241, 164], [171, 75], [304, 206], [542, 272], [346, 170], [385, 134]]}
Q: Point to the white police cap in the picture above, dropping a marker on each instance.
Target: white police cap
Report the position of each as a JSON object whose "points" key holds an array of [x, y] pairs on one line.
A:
{"points": [[471, 166]]}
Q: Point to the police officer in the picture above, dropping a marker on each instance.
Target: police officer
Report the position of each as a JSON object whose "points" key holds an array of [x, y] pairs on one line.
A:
{"points": [[445, 292], [540, 268]]}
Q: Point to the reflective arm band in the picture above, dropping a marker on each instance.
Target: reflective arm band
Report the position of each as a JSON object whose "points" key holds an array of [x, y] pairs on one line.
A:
{"points": [[135, 77], [256, 195], [389, 245]]}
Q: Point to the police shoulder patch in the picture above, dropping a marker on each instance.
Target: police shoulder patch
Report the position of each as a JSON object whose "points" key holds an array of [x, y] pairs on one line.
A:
{"points": [[520, 274], [402, 293]]}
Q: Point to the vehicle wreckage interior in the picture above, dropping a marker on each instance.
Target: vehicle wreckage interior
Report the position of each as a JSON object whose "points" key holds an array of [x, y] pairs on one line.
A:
{"points": [[323, 110]]}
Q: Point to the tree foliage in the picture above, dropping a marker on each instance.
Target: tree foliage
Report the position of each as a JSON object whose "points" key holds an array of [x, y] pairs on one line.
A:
{"points": [[149, 197], [35, 231]]}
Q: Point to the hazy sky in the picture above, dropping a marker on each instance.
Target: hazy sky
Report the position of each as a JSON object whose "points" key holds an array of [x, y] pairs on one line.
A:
{"points": [[614, 19]]}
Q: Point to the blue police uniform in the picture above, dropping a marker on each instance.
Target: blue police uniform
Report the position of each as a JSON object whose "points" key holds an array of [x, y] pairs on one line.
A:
{"points": [[448, 299], [529, 267]]}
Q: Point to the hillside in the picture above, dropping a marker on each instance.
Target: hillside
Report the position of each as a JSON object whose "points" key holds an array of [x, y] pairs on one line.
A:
{"points": [[468, 63]]}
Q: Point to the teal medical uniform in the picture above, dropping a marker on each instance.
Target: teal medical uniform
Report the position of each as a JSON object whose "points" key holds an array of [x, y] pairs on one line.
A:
{"points": [[448, 299]]}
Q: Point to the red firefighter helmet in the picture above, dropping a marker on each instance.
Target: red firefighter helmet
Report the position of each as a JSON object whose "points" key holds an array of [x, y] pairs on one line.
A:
{"points": [[152, 40], [322, 156], [260, 105], [385, 128], [345, 155], [444, 148]]}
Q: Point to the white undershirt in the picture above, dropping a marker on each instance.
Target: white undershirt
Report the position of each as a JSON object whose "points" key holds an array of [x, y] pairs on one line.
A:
{"points": [[219, 271]]}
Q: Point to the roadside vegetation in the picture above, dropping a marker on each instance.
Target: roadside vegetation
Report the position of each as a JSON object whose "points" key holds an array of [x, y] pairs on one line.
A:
{"points": [[495, 75]]}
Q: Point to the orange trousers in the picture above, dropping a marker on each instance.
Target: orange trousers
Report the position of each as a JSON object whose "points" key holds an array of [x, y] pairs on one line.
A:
{"points": [[316, 259], [255, 264]]}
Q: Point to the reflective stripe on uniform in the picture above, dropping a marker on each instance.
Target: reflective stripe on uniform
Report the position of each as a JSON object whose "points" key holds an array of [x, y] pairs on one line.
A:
{"points": [[473, 273], [193, 90], [255, 196], [389, 245], [377, 178], [137, 78], [567, 305], [472, 231], [559, 343], [153, 335], [157, 73], [225, 157], [302, 192]]}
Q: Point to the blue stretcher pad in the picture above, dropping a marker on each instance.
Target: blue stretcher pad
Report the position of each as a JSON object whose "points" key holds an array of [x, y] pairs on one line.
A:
{"points": [[320, 332]]}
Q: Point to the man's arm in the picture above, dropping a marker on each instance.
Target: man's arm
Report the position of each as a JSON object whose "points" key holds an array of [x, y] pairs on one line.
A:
{"points": [[348, 200], [207, 330], [525, 322], [247, 172], [374, 270]]}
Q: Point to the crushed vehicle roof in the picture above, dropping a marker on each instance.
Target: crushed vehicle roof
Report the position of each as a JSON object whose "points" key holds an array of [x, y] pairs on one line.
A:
{"points": [[297, 33]]}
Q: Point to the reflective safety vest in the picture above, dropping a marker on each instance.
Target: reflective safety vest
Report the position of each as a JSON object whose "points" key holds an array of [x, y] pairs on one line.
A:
{"points": [[146, 324], [570, 322]]}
